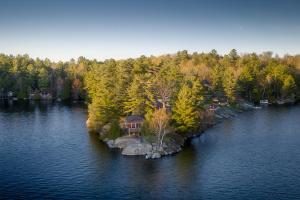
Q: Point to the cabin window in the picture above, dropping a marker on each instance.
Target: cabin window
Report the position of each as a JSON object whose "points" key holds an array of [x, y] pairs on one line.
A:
{"points": [[133, 126]]}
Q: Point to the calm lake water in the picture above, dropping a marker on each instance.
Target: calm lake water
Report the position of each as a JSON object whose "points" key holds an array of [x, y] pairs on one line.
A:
{"points": [[46, 152]]}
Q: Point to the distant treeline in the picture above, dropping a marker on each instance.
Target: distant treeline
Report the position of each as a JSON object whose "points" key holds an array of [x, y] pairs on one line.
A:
{"points": [[182, 83], [27, 77]]}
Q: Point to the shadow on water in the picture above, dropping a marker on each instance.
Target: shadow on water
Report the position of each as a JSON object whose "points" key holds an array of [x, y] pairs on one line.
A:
{"points": [[103, 152]]}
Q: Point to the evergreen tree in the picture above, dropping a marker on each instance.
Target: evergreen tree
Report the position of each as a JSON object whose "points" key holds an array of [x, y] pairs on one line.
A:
{"points": [[135, 103], [185, 112], [230, 83]]}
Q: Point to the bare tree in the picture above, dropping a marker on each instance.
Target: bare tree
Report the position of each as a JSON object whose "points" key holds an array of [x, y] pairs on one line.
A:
{"points": [[159, 123], [164, 91]]}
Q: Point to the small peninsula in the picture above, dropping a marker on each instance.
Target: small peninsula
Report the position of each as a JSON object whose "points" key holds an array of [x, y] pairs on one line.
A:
{"points": [[151, 105]]}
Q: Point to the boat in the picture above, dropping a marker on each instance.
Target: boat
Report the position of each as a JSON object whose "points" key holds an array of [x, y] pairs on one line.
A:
{"points": [[265, 101]]}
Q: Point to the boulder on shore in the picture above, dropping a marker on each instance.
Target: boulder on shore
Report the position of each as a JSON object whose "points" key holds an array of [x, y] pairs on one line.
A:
{"points": [[153, 155], [130, 145], [110, 143], [142, 148], [123, 142], [137, 146]]}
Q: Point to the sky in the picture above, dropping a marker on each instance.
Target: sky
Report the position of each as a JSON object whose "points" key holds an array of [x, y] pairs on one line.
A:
{"points": [[65, 29]]}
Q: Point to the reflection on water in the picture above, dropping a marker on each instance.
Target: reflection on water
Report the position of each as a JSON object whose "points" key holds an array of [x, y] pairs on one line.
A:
{"points": [[47, 153]]}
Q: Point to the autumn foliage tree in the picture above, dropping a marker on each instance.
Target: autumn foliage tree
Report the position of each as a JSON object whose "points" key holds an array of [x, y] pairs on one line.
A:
{"points": [[159, 123]]}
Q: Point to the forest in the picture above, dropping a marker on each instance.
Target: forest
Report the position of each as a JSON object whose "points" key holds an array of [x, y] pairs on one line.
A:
{"points": [[172, 91], [27, 78]]}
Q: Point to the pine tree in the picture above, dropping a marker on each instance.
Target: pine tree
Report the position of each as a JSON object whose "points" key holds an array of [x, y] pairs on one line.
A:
{"points": [[135, 103], [230, 83], [104, 107], [197, 92], [185, 112]]}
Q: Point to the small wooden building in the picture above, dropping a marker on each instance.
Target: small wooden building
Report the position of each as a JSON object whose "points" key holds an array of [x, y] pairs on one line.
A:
{"points": [[133, 124]]}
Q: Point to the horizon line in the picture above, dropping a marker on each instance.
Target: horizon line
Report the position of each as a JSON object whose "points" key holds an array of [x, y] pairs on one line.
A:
{"points": [[274, 54]]}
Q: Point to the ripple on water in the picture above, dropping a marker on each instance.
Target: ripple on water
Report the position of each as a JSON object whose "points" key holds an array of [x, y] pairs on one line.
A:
{"points": [[47, 153]]}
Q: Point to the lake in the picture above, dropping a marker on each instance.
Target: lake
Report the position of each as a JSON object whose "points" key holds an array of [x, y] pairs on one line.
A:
{"points": [[46, 152]]}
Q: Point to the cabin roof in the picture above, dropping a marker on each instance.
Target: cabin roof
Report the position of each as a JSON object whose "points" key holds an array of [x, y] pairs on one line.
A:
{"points": [[134, 118]]}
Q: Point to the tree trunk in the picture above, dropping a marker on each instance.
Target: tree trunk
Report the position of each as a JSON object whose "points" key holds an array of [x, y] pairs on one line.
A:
{"points": [[162, 138]]}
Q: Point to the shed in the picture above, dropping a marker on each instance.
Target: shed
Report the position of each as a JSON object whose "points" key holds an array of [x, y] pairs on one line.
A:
{"points": [[133, 123]]}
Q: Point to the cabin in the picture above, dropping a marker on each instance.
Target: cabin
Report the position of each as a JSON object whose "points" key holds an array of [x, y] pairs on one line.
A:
{"points": [[133, 124], [45, 96], [264, 101]]}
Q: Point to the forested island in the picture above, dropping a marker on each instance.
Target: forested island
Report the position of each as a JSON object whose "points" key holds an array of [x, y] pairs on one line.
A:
{"points": [[151, 105]]}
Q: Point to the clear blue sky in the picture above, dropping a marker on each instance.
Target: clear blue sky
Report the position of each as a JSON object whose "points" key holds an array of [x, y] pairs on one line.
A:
{"points": [[64, 29]]}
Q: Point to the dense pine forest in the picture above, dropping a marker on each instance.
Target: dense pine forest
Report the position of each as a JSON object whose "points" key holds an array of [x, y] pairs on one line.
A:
{"points": [[172, 92], [184, 85], [27, 78]]}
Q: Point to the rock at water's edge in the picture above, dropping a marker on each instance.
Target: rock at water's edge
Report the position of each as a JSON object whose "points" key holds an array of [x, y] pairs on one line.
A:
{"points": [[123, 142], [155, 155], [142, 148], [110, 143]]}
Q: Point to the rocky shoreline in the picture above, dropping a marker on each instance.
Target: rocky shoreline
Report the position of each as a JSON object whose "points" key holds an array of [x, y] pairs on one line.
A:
{"points": [[131, 145], [174, 143], [138, 146]]}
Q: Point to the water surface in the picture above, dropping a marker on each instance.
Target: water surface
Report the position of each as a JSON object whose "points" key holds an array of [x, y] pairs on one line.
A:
{"points": [[46, 152]]}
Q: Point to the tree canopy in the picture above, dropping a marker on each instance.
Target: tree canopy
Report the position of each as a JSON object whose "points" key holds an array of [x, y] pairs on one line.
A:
{"points": [[180, 83]]}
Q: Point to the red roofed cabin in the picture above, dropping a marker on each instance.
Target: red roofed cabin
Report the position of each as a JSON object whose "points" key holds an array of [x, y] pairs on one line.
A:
{"points": [[133, 124]]}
